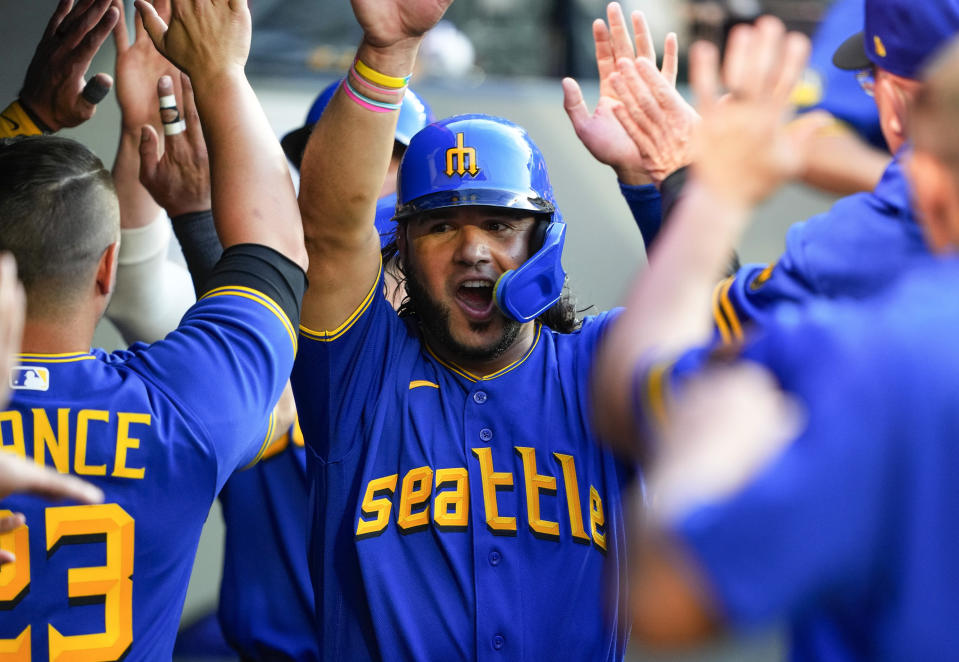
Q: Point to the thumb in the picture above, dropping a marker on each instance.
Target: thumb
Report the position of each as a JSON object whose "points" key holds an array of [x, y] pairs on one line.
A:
{"points": [[97, 88], [574, 103], [154, 25]]}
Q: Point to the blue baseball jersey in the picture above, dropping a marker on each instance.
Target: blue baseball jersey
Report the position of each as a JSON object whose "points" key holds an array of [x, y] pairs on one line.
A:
{"points": [[266, 597], [851, 533], [159, 428], [858, 248], [458, 517]]}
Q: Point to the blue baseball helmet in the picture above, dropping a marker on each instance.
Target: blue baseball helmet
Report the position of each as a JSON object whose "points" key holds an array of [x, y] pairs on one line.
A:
{"points": [[480, 160], [415, 113]]}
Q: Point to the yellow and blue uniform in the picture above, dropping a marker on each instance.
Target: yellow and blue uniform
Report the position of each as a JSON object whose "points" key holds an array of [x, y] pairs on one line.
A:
{"points": [[266, 599], [159, 428], [859, 247], [851, 533], [453, 516]]}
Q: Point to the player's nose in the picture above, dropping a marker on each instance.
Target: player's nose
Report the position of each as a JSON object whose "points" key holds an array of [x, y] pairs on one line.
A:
{"points": [[472, 245]]}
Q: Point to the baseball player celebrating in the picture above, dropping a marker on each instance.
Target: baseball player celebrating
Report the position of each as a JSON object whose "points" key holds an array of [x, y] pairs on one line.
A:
{"points": [[160, 428], [462, 507], [850, 532]]}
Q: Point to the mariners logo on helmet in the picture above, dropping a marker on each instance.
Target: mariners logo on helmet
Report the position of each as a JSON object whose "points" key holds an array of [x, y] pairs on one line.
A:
{"points": [[461, 156]]}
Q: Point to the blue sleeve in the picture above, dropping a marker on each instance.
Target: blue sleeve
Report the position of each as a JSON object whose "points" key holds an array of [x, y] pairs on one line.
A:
{"points": [[646, 206], [337, 373], [808, 526], [225, 365]]}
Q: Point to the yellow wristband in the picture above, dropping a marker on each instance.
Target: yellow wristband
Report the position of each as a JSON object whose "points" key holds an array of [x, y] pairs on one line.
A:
{"points": [[374, 76], [14, 121]]}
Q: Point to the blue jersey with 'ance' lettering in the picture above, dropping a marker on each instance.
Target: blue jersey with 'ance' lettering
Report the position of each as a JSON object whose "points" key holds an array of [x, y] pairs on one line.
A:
{"points": [[159, 428]]}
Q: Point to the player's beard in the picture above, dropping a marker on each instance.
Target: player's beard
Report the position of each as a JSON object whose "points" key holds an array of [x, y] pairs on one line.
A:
{"points": [[434, 317]]}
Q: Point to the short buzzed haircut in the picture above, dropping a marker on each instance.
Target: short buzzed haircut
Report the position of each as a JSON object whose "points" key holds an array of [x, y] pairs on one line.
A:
{"points": [[58, 213]]}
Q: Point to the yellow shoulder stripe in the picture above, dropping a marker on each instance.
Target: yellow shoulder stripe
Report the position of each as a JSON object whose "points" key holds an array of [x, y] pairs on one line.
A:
{"points": [[266, 442], [328, 336], [259, 297]]}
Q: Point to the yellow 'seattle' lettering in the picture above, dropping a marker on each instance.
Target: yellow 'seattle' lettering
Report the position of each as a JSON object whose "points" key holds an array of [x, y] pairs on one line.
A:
{"points": [[376, 504], [535, 485], [492, 481]]}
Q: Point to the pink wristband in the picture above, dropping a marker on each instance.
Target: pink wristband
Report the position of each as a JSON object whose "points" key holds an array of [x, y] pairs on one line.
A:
{"points": [[363, 104]]}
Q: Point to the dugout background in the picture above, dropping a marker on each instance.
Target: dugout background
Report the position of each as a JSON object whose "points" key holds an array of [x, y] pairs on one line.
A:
{"points": [[603, 250]]}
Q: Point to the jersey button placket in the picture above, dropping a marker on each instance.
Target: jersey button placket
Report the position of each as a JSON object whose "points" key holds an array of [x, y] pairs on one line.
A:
{"points": [[495, 557], [486, 435], [499, 641]]}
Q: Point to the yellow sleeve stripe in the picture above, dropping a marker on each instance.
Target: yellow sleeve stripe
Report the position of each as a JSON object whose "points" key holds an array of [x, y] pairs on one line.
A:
{"points": [[416, 383], [656, 393], [730, 310], [56, 358], [328, 336], [721, 324], [259, 297], [266, 442], [14, 121]]}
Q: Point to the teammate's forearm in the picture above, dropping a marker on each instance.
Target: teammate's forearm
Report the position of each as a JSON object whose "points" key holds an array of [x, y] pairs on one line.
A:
{"points": [[137, 206], [252, 193], [667, 309], [350, 150]]}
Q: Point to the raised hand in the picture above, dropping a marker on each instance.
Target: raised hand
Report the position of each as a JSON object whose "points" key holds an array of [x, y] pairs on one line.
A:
{"points": [[744, 148], [55, 89], [600, 131], [659, 122], [138, 66], [179, 181], [386, 23], [202, 38]]}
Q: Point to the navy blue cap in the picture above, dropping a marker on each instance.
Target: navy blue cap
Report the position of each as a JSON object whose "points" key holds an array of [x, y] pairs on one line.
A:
{"points": [[900, 35]]}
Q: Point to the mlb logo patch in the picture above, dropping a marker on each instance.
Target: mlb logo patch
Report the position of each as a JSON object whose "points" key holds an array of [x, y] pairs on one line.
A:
{"points": [[30, 378]]}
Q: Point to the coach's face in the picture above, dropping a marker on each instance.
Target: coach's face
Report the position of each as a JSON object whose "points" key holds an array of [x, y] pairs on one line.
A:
{"points": [[453, 258]]}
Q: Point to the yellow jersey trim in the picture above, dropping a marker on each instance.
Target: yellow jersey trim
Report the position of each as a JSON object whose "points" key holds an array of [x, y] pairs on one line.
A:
{"points": [[266, 442], [259, 297], [721, 324], [656, 392], [416, 383], [730, 310], [14, 121], [462, 372], [329, 336], [67, 357]]}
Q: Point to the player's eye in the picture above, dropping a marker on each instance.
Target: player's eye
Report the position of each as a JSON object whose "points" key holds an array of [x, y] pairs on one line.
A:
{"points": [[439, 227]]}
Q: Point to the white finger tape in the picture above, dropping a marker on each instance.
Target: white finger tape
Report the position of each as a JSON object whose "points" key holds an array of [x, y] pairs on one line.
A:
{"points": [[174, 128], [168, 101]]}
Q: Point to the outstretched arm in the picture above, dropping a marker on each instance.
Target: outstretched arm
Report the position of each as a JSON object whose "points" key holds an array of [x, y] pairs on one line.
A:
{"points": [[744, 154], [55, 93], [347, 157], [252, 193]]}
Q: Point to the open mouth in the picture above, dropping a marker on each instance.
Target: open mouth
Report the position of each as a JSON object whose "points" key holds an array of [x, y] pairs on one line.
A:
{"points": [[476, 297]]}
